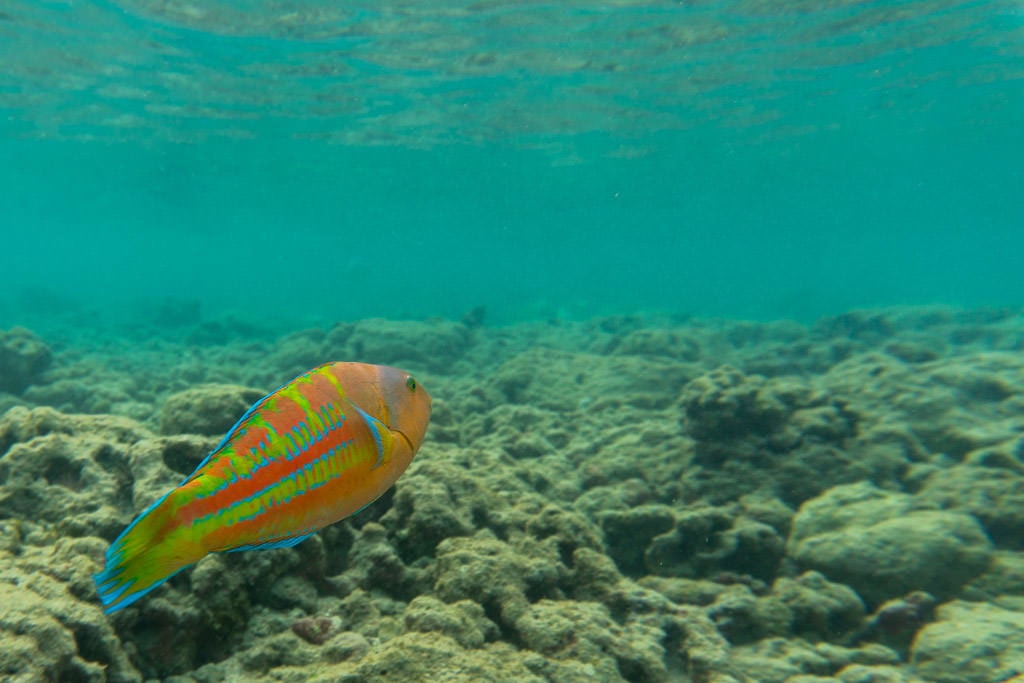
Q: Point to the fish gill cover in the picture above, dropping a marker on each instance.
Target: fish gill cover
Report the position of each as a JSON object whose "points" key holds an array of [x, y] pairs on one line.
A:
{"points": [[719, 305]]}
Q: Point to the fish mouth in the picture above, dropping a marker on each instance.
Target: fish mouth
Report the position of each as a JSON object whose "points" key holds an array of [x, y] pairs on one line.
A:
{"points": [[412, 449]]}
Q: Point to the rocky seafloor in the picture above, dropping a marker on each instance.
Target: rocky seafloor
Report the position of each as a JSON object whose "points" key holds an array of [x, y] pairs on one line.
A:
{"points": [[622, 499]]}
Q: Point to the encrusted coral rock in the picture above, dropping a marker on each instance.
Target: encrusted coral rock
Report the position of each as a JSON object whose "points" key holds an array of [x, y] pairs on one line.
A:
{"points": [[49, 636], [463, 620], [434, 345], [725, 404], [209, 409], [883, 547], [584, 634], [994, 495], [707, 540], [821, 608], [66, 470], [23, 358], [418, 656], [971, 643], [491, 573]]}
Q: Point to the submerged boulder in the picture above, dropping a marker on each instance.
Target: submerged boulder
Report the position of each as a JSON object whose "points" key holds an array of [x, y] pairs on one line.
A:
{"points": [[884, 545], [209, 409], [23, 358]]}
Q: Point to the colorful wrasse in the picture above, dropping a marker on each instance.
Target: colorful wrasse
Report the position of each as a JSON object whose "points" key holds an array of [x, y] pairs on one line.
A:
{"points": [[309, 454]]}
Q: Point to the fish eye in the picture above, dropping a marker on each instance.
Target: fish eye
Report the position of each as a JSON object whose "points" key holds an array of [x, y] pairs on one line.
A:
{"points": [[411, 383]]}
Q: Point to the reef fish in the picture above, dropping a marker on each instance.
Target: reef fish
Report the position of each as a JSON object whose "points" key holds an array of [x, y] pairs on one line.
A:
{"points": [[309, 454]]}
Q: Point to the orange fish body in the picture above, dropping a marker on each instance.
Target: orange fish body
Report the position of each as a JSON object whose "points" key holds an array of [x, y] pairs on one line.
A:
{"points": [[307, 455]]}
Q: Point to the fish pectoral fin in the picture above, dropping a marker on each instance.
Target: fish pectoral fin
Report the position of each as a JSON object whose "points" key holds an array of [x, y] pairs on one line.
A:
{"points": [[383, 439], [270, 545]]}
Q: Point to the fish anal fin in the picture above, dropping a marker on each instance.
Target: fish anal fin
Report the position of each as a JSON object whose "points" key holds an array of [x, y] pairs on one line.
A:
{"points": [[270, 545]]}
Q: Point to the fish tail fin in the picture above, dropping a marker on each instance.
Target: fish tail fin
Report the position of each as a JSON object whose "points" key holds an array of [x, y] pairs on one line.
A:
{"points": [[153, 548]]}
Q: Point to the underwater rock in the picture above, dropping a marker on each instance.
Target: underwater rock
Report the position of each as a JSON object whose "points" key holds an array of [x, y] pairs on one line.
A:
{"points": [[872, 327], [641, 461], [281, 651], [779, 437], [49, 633], [563, 381], [584, 634], [896, 622], [992, 495], [70, 471], [649, 342], [884, 546], [596, 503], [295, 354], [1004, 576], [688, 636], [777, 660], [725, 404], [209, 409], [628, 533], [971, 643], [293, 592], [493, 574], [375, 564], [418, 656], [464, 620], [821, 609], [743, 617], [21, 425], [435, 345], [23, 358], [345, 646], [708, 540], [68, 482], [435, 500]]}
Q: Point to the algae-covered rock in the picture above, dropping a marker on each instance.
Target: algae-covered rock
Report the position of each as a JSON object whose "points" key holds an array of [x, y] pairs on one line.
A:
{"points": [[675, 344], [418, 656], [880, 544], [23, 358], [560, 381], [776, 660], [595, 502], [47, 635], [992, 495], [435, 345], [492, 573], [1004, 576], [375, 564], [725, 404], [821, 609], [706, 540], [71, 471], [73, 483], [971, 643], [585, 634], [433, 501], [463, 620], [22, 424], [743, 617], [774, 436], [209, 409], [628, 533]]}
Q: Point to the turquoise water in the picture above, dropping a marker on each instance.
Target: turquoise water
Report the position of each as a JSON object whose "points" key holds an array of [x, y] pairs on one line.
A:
{"points": [[583, 229], [293, 163]]}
